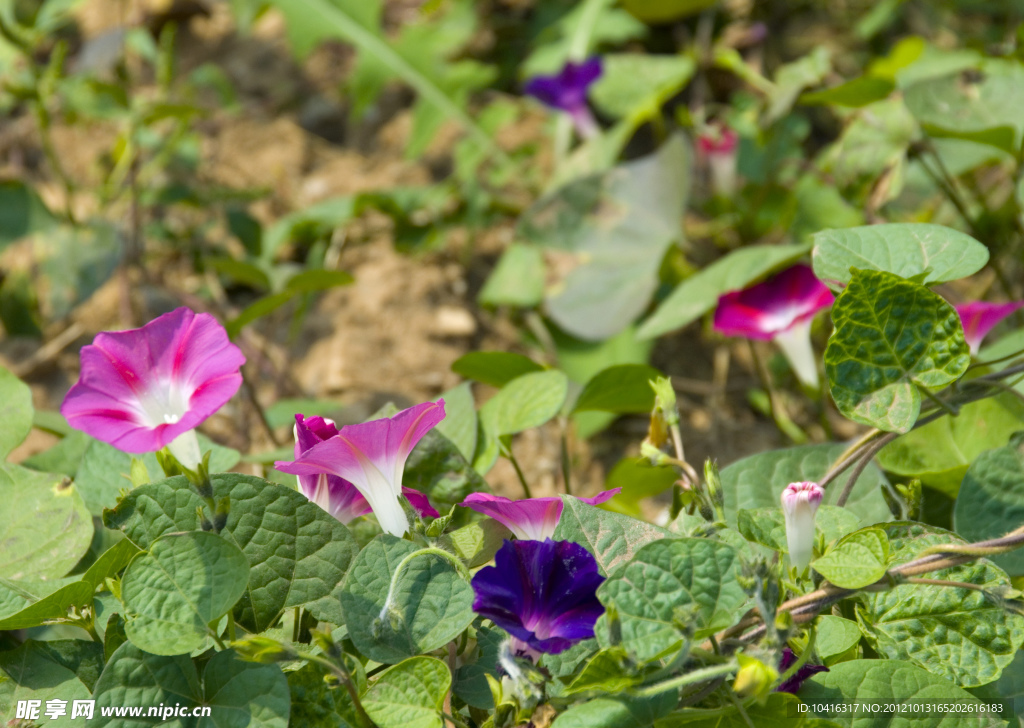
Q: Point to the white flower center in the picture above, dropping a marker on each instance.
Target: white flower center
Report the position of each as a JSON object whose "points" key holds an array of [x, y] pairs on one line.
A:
{"points": [[164, 404]]}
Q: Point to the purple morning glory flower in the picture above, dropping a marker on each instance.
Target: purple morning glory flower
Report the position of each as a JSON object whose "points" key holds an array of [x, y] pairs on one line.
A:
{"points": [[793, 684], [779, 309], [334, 494], [543, 593], [981, 317], [145, 389], [567, 91], [529, 518], [372, 457]]}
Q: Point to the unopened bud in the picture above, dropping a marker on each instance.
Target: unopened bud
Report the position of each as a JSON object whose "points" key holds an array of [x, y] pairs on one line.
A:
{"points": [[800, 503], [263, 649], [754, 679]]}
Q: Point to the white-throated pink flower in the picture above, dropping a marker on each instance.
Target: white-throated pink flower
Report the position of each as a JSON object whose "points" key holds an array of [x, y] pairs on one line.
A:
{"points": [[334, 494], [371, 456], [718, 146], [800, 503], [980, 317], [148, 388], [779, 309], [528, 518]]}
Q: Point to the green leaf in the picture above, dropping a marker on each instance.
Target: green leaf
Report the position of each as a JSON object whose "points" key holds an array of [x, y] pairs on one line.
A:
{"points": [[460, 422], [953, 632], [699, 293], [612, 538], [891, 337], [991, 500], [21, 212], [298, 554], [24, 605], [892, 682], [283, 411], [638, 480], [517, 279], [758, 481], [836, 637], [431, 605], [665, 11], [496, 368], [65, 457], [527, 401], [940, 452], [44, 526], [58, 670], [15, 409], [608, 234], [856, 92], [689, 579], [437, 468], [779, 710], [75, 262], [622, 389], [907, 250], [238, 694], [470, 679], [637, 85], [856, 560], [477, 542], [1010, 685], [308, 281], [617, 712], [314, 703], [409, 695], [767, 526], [607, 671], [176, 589]]}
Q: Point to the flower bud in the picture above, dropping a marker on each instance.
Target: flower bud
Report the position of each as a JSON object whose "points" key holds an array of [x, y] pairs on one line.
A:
{"points": [[800, 502], [754, 679]]}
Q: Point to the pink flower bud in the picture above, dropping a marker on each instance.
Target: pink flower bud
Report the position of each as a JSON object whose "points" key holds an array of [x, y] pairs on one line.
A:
{"points": [[800, 502]]}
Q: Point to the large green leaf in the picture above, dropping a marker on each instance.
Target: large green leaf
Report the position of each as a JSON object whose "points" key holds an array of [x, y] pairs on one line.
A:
{"points": [[893, 682], [699, 293], [858, 559], [778, 710], [57, 670], [637, 85], [460, 421], [239, 694], [952, 632], [757, 481], [836, 638], [675, 579], [176, 589], [527, 401], [612, 538], [940, 452], [609, 233], [616, 712], [622, 389], [44, 526], [15, 411], [891, 337], [991, 500], [298, 554], [937, 253], [409, 695], [517, 278], [767, 526], [496, 368], [21, 212], [431, 604]]}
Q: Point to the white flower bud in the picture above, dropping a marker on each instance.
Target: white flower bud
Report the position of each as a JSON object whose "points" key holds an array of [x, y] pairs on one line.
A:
{"points": [[800, 502]]}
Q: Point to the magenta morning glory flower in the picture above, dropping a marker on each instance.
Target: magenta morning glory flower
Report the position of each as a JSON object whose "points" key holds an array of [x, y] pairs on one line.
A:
{"points": [[145, 389], [793, 684], [567, 91], [334, 494], [543, 593], [372, 457], [780, 309], [981, 317], [529, 518]]}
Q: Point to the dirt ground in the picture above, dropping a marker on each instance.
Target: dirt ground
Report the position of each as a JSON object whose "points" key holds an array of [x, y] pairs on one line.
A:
{"points": [[394, 333]]}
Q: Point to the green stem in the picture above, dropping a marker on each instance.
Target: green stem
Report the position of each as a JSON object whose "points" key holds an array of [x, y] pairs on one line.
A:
{"points": [[231, 627], [404, 564], [805, 655], [690, 678], [342, 674], [295, 624], [739, 707], [519, 471]]}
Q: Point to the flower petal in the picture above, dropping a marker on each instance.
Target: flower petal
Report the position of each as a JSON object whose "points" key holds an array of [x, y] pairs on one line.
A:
{"points": [[981, 317], [765, 309]]}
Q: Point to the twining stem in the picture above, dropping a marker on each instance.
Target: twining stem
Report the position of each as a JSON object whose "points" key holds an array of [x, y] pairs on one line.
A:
{"points": [[404, 564], [865, 459], [346, 679], [943, 582], [689, 678], [507, 452], [563, 425], [739, 707]]}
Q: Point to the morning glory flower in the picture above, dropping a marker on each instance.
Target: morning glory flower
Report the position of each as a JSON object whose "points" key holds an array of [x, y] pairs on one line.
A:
{"points": [[529, 518], [793, 684], [780, 309], [981, 317], [543, 593], [336, 495], [371, 456], [145, 389], [800, 503], [567, 91], [718, 145]]}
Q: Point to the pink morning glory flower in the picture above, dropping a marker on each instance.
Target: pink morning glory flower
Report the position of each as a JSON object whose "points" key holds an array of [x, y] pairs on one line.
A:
{"points": [[145, 389], [800, 503], [372, 457], [718, 146], [567, 91], [780, 309], [543, 593], [336, 495], [981, 317], [529, 518]]}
